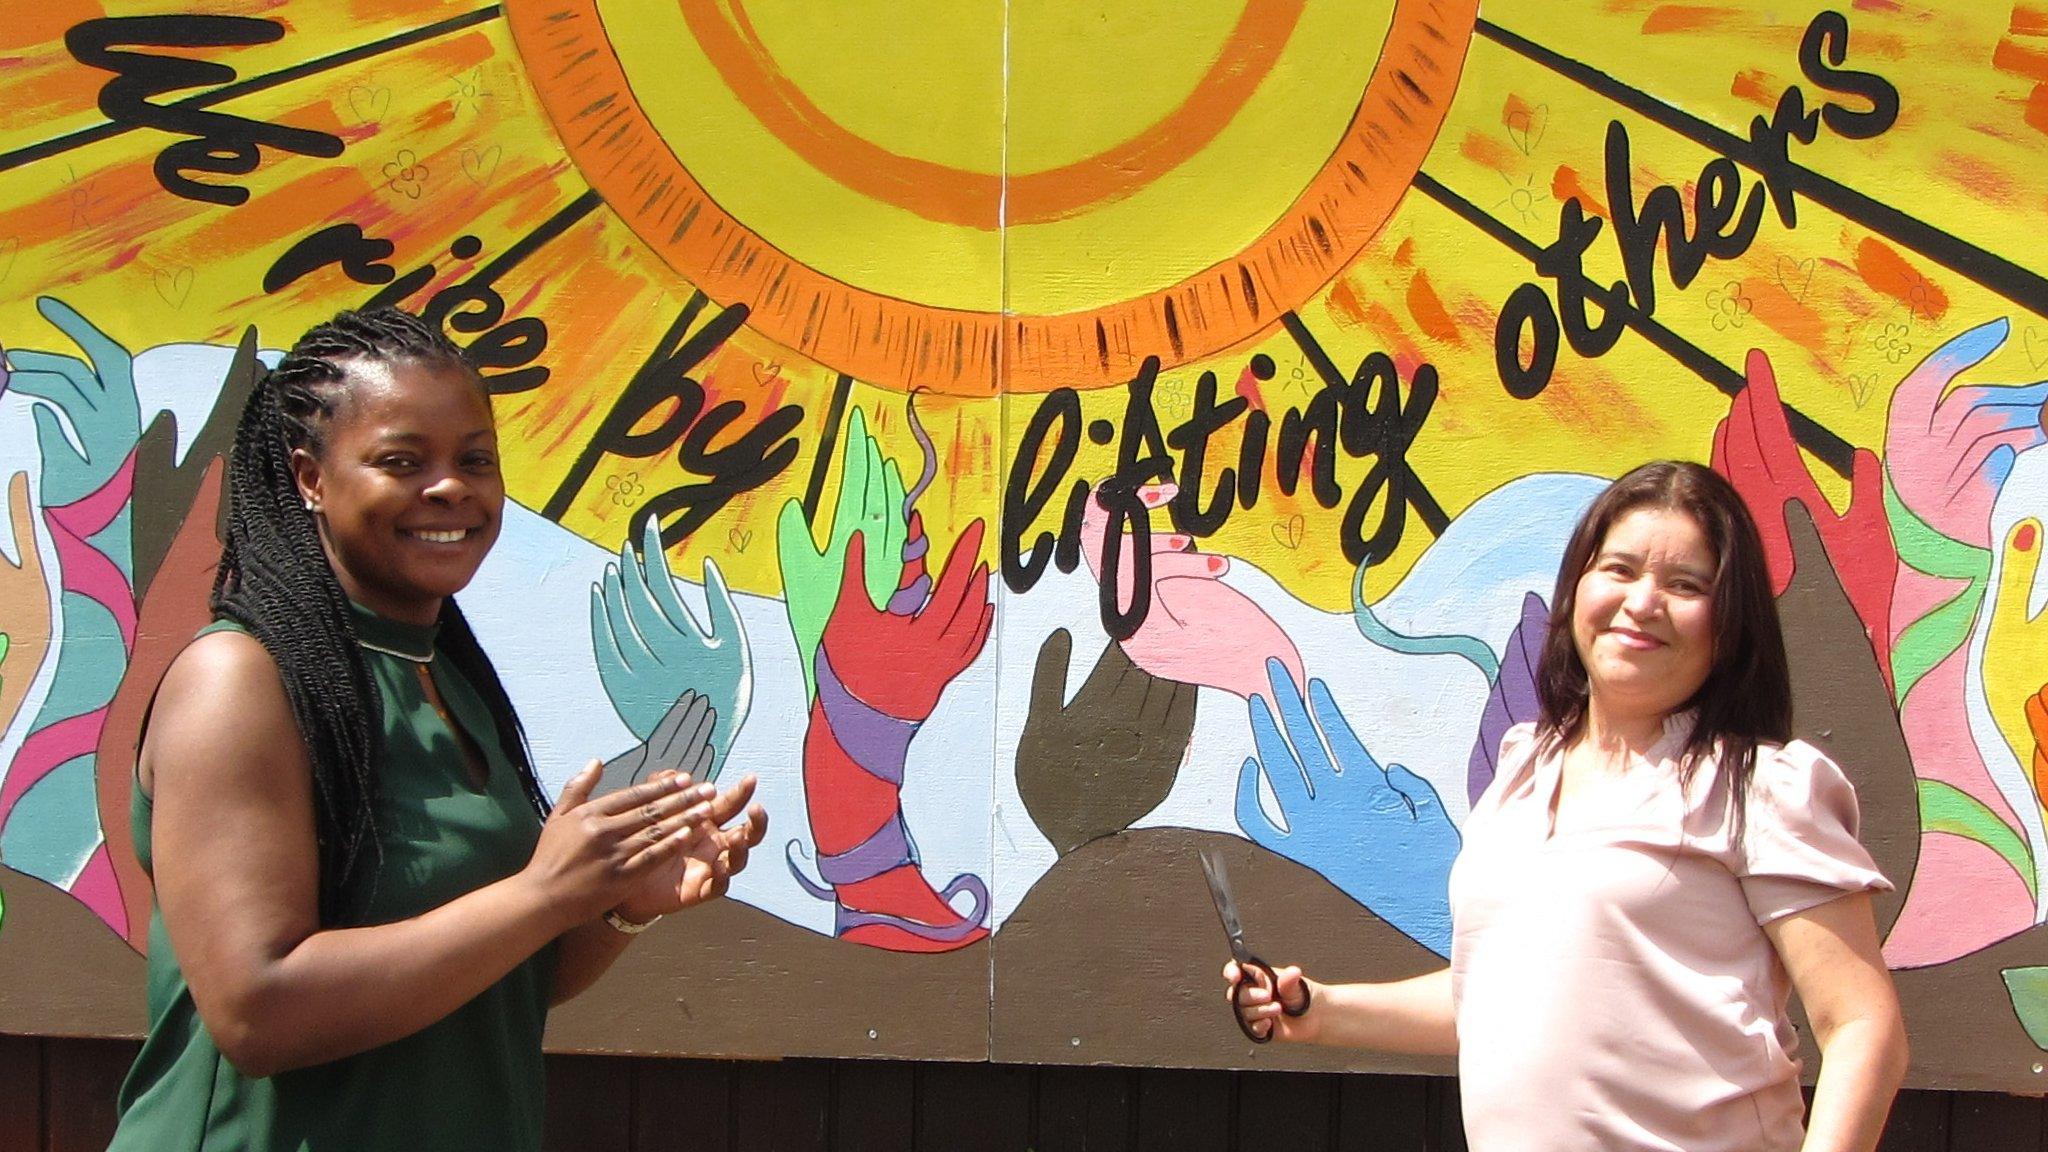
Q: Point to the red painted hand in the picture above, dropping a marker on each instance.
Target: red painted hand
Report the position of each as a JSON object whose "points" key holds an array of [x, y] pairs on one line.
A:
{"points": [[900, 665]]}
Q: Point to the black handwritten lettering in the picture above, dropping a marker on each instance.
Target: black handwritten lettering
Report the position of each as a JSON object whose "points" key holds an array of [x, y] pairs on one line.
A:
{"points": [[222, 144], [1724, 224], [1030, 491], [1821, 53], [1368, 416], [361, 258], [503, 350], [749, 461]]}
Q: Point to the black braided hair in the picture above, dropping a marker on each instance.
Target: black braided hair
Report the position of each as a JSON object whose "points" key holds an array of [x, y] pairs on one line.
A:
{"points": [[274, 580]]}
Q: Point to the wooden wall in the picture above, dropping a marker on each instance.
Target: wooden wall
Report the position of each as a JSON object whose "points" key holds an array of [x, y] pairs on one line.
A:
{"points": [[57, 1095]]}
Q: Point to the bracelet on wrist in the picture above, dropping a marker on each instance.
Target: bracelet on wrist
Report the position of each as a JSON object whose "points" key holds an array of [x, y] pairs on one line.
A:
{"points": [[628, 927]]}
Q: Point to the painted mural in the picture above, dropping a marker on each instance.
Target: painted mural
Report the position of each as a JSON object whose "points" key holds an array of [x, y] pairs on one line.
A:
{"points": [[1054, 436]]}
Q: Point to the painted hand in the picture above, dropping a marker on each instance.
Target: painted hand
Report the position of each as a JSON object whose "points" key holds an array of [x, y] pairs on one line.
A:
{"points": [[880, 674], [1199, 630], [1090, 767], [24, 606], [710, 860], [651, 650], [1379, 834], [680, 743], [870, 502], [900, 665], [1754, 449], [97, 398], [1947, 451]]}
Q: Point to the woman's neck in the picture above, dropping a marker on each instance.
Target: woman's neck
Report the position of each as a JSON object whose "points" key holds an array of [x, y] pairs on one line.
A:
{"points": [[1619, 733]]}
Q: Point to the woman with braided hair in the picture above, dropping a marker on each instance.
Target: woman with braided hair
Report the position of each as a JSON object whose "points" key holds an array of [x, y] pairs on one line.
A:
{"points": [[364, 908]]}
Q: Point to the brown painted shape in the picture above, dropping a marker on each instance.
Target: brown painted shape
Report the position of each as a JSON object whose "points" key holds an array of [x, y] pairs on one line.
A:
{"points": [[174, 608], [164, 489], [1960, 1020], [728, 979], [1118, 946], [1841, 705], [65, 972], [1091, 767]]}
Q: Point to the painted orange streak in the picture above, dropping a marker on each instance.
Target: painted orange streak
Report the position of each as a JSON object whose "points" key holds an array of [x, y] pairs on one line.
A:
{"points": [[2019, 60], [1429, 312], [1684, 18], [2037, 108], [2029, 21], [1565, 185], [1986, 182], [1757, 87], [950, 195], [1887, 272], [1487, 151], [1788, 317], [1344, 301]]}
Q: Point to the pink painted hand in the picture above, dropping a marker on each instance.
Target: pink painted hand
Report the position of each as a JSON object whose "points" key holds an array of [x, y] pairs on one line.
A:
{"points": [[1199, 630], [1946, 450]]}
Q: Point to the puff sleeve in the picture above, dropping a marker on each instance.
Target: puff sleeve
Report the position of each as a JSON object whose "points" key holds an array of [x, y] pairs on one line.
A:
{"points": [[1799, 848]]}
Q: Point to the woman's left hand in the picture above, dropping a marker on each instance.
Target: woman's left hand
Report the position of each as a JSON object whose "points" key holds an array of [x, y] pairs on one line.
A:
{"points": [[710, 863]]}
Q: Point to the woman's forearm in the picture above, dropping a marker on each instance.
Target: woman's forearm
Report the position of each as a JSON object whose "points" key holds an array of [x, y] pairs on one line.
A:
{"points": [[587, 952], [347, 990], [1862, 1064], [1410, 1016]]}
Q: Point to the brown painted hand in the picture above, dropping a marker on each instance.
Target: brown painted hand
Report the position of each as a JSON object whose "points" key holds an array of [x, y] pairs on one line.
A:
{"points": [[1089, 768]]}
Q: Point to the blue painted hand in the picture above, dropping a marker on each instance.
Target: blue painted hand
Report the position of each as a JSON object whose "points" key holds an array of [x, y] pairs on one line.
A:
{"points": [[1380, 834]]}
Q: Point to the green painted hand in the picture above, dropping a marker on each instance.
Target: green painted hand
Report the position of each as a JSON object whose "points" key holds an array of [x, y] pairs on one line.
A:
{"points": [[870, 502]]}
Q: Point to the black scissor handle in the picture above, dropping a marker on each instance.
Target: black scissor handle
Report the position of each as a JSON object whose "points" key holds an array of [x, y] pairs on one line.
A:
{"points": [[1245, 968]]}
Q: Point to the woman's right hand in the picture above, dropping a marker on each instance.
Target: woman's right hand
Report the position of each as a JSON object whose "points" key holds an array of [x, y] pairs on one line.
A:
{"points": [[1256, 1001], [593, 852]]}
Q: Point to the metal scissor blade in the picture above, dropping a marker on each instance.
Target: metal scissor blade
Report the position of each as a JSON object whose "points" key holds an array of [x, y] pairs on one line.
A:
{"points": [[1226, 903]]}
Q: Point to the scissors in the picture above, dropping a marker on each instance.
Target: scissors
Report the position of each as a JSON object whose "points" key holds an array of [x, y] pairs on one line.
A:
{"points": [[1250, 969]]}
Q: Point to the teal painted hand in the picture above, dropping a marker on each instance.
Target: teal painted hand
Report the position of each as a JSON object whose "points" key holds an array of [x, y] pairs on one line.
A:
{"points": [[870, 502], [97, 398], [651, 651]]}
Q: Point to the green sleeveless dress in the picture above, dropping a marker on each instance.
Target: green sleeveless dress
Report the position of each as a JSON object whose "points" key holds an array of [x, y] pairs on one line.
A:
{"points": [[470, 1080]]}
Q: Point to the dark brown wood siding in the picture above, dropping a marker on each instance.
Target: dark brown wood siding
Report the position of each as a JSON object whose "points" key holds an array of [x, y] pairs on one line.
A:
{"points": [[57, 1095]]}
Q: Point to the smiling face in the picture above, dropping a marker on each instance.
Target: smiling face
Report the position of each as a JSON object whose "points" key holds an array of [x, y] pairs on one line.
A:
{"points": [[1643, 616], [406, 484]]}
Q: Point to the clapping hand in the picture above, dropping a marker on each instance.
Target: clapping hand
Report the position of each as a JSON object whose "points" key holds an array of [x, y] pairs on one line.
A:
{"points": [[709, 861]]}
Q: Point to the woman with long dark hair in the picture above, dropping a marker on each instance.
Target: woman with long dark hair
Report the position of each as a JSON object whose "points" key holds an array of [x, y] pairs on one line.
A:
{"points": [[364, 906], [1656, 866]]}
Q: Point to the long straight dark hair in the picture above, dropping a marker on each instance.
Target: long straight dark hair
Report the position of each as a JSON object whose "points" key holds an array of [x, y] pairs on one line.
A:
{"points": [[1746, 700]]}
